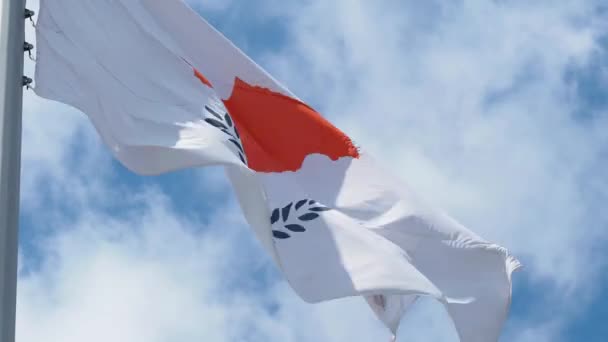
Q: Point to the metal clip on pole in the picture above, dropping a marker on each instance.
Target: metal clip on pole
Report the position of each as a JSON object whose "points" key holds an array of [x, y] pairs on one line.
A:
{"points": [[28, 47], [26, 81], [29, 14]]}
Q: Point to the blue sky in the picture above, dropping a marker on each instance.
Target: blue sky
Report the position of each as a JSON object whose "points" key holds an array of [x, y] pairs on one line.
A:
{"points": [[494, 111]]}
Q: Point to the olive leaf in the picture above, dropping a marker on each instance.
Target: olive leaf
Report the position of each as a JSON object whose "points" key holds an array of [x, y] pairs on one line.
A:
{"points": [[286, 212], [300, 203], [280, 235], [228, 119], [275, 216], [214, 113], [215, 123], [319, 209], [236, 143], [225, 131], [308, 217], [295, 228]]}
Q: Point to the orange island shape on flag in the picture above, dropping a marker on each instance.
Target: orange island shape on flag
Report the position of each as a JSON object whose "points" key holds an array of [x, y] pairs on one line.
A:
{"points": [[278, 131]]}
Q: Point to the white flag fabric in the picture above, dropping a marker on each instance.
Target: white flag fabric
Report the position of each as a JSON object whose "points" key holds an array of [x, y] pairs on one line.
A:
{"points": [[166, 91]]}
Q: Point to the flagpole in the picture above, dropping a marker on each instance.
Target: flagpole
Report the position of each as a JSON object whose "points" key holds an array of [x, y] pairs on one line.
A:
{"points": [[12, 38]]}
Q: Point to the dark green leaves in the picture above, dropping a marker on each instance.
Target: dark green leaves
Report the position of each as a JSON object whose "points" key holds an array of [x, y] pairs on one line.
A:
{"points": [[214, 113], [319, 209], [303, 213], [228, 119], [225, 124], [275, 216], [295, 228], [285, 212], [280, 235], [215, 123], [236, 143], [308, 217], [300, 204]]}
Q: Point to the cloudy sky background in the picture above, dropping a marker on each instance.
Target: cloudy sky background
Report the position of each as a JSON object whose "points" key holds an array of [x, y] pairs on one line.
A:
{"points": [[495, 111]]}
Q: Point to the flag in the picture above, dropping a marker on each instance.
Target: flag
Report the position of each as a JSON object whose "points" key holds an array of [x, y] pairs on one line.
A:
{"points": [[166, 91]]}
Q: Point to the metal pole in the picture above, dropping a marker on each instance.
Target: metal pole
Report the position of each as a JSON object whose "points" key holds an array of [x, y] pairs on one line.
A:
{"points": [[12, 37]]}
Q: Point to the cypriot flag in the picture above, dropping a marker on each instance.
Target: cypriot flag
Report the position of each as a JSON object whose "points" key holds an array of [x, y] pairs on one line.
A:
{"points": [[166, 91]]}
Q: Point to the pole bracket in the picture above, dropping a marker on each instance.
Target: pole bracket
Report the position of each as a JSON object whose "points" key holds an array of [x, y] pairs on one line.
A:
{"points": [[29, 13], [28, 47], [26, 81]]}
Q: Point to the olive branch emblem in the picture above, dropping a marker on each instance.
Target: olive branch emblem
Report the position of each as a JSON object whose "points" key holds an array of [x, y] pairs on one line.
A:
{"points": [[304, 211], [224, 123]]}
